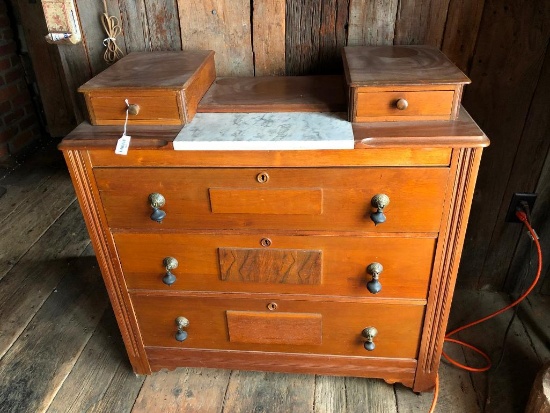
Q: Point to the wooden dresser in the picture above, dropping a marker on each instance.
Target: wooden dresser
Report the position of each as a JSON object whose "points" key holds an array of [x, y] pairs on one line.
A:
{"points": [[271, 260]]}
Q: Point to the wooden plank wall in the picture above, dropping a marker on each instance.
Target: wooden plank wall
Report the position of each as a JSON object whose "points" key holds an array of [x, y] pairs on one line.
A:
{"points": [[503, 45]]}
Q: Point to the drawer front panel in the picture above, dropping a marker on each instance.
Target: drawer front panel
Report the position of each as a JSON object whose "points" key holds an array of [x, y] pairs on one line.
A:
{"points": [[344, 194], [384, 105], [265, 328], [337, 327], [109, 109], [270, 265], [266, 201], [321, 265]]}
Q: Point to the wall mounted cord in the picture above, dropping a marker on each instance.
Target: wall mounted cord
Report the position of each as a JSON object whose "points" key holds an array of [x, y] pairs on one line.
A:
{"points": [[522, 216]]}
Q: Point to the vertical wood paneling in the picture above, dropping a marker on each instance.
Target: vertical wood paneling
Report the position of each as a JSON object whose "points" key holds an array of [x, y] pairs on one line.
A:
{"points": [[47, 67], [461, 30], [302, 38], [268, 43], [76, 70], [542, 221], [421, 22], [90, 14], [533, 157], [222, 26], [314, 36], [134, 25], [505, 72], [333, 35], [371, 22], [163, 23]]}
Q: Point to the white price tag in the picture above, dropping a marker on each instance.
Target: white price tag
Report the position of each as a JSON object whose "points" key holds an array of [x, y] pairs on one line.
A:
{"points": [[122, 145]]}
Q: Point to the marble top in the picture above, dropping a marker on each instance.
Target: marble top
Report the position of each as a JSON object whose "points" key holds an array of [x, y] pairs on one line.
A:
{"points": [[266, 131]]}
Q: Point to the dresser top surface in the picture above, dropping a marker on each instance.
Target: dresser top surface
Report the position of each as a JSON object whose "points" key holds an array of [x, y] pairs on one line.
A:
{"points": [[276, 94], [150, 70], [463, 132], [399, 65], [290, 94]]}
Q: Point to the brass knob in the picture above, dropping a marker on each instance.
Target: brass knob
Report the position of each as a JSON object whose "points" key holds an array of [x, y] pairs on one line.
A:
{"points": [[402, 104], [157, 201], [133, 109], [374, 269], [170, 263], [369, 333], [379, 201], [181, 323]]}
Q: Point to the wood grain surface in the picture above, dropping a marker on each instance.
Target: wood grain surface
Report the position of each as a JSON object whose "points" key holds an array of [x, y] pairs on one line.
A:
{"points": [[276, 94], [371, 23], [274, 266], [268, 37], [400, 65], [347, 194], [266, 201], [223, 26], [398, 325], [296, 329], [424, 103], [406, 261]]}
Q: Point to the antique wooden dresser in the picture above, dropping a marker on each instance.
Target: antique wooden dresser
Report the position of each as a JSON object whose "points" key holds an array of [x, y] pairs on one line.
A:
{"points": [[339, 262]]}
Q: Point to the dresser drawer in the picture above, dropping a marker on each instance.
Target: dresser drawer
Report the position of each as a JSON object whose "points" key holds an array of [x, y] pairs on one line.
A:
{"points": [[162, 106], [274, 198], [163, 87], [292, 326], [323, 265], [399, 105]]}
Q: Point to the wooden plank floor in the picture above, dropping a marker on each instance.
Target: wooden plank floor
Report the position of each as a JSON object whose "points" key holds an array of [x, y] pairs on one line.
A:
{"points": [[61, 350]]}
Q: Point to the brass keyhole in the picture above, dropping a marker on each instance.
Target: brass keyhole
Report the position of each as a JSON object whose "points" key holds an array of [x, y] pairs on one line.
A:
{"points": [[265, 242], [272, 306], [262, 177]]}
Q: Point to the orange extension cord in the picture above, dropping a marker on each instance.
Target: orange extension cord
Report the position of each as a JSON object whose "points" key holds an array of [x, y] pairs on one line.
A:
{"points": [[522, 216]]}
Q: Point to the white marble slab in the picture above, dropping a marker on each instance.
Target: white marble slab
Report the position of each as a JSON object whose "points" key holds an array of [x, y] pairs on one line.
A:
{"points": [[266, 131]]}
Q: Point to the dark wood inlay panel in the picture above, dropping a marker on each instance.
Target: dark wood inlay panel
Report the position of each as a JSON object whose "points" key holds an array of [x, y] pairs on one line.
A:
{"points": [[277, 266]]}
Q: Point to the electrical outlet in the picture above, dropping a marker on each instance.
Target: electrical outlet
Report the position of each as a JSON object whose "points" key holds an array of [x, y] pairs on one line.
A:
{"points": [[518, 199]]}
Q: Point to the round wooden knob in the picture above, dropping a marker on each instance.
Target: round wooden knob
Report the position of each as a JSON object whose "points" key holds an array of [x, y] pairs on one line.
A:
{"points": [[402, 104], [133, 109]]}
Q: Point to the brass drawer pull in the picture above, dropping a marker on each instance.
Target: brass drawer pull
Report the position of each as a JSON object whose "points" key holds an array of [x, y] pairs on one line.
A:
{"points": [[369, 333], [170, 263], [133, 109], [379, 201], [374, 269], [402, 104], [181, 323], [157, 201]]}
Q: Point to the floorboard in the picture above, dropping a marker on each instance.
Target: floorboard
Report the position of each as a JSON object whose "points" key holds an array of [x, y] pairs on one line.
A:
{"points": [[33, 217], [28, 284], [330, 394], [183, 390], [43, 356], [269, 393], [101, 361], [500, 389]]}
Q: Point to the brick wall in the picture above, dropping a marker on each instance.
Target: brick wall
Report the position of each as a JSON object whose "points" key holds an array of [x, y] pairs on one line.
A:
{"points": [[19, 124]]}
